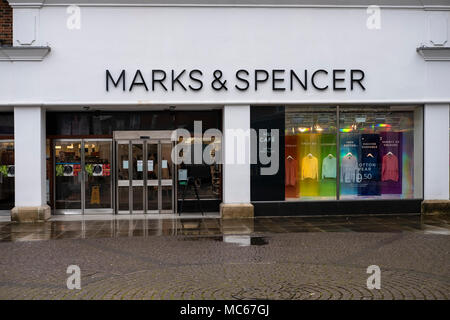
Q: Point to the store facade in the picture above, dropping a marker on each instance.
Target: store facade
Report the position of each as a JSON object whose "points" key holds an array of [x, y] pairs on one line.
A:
{"points": [[282, 108]]}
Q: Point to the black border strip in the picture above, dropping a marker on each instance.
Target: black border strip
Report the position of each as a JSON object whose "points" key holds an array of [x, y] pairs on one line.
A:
{"points": [[341, 207]]}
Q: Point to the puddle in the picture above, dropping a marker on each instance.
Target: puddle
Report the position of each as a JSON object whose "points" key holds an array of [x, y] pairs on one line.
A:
{"points": [[240, 240], [245, 241]]}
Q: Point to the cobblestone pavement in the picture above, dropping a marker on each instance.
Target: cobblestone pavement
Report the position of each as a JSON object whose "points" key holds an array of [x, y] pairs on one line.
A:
{"points": [[283, 258]]}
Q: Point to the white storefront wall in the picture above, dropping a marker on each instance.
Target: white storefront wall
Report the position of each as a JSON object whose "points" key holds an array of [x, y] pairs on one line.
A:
{"points": [[147, 37]]}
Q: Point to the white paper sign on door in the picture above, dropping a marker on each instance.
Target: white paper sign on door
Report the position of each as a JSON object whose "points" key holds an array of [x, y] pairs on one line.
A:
{"points": [[125, 164], [150, 165], [140, 164], [164, 164]]}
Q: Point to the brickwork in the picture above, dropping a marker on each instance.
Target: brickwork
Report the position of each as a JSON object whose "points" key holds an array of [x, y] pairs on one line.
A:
{"points": [[6, 23]]}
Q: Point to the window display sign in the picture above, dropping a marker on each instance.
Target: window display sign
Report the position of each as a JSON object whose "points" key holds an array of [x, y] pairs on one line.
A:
{"points": [[391, 165], [97, 170], [369, 169], [68, 169], [370, 164], [350, 177]]}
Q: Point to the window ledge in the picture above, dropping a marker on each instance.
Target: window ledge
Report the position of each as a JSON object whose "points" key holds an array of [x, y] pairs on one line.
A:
{"points": [[434, 53], [23, 53]]}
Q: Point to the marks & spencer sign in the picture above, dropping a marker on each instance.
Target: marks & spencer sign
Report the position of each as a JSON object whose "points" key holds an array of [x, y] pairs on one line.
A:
{"points": [[241, 80]]}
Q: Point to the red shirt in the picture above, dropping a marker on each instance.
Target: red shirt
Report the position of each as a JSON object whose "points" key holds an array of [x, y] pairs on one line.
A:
{"points": [[389, 168]]}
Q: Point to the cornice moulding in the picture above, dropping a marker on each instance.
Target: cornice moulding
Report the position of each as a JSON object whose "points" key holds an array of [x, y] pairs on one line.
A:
{"points": [[434, 53], [23, 53]]}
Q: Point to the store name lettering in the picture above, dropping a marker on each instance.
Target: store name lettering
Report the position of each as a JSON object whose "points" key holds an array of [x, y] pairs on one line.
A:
{"points": [[243, 80]]}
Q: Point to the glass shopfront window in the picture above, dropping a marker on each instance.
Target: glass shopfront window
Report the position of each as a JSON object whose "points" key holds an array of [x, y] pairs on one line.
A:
{"points": [[205, 179], [7, 169], [6, 174], [310, 153], [378, 152], [353, 153]]}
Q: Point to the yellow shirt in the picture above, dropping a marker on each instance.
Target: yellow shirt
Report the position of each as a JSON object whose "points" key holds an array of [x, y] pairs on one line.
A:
{"points": [[310, 168]]}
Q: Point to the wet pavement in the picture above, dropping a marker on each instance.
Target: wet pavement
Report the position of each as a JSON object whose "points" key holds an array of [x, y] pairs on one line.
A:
{"points": [[263, 258], [211, 226]]}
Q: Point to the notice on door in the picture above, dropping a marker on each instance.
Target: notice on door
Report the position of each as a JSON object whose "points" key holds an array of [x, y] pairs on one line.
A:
{"points": [[164, 164], [140, 165], [125, 164], [150, 165]]}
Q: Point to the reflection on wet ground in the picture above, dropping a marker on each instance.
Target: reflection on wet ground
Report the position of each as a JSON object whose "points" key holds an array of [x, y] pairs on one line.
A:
{"points": [[238, 231]]}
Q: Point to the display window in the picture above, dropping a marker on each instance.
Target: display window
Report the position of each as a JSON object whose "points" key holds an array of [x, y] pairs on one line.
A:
{"points": [[7, 174], [353, 153], [378, 152], [310, 153], [205, 179], [7, 168]]}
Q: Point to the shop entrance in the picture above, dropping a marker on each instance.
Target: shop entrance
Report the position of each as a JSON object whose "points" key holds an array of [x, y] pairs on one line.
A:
{"points": [[145, 177], [83, 176]]}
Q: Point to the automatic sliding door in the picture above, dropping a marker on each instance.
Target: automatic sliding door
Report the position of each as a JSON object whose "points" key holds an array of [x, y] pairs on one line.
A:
{"points": [[152, 177], [145, 176], [166, 178], [137, 150]]}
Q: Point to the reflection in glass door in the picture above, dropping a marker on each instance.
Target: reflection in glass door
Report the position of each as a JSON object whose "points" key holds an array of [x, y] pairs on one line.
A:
{"points": [[68, 176], [6, 176]]}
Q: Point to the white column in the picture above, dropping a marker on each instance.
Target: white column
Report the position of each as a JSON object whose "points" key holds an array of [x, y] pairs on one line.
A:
{"points": [[30, 157], [436, 152], [236, 154]]}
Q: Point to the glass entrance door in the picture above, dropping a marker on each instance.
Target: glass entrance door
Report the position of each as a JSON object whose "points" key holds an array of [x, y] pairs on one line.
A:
{"points": [[68, 177], [83, 180], [98, 188], [166, 181], [144, 176], [152, 177]]}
